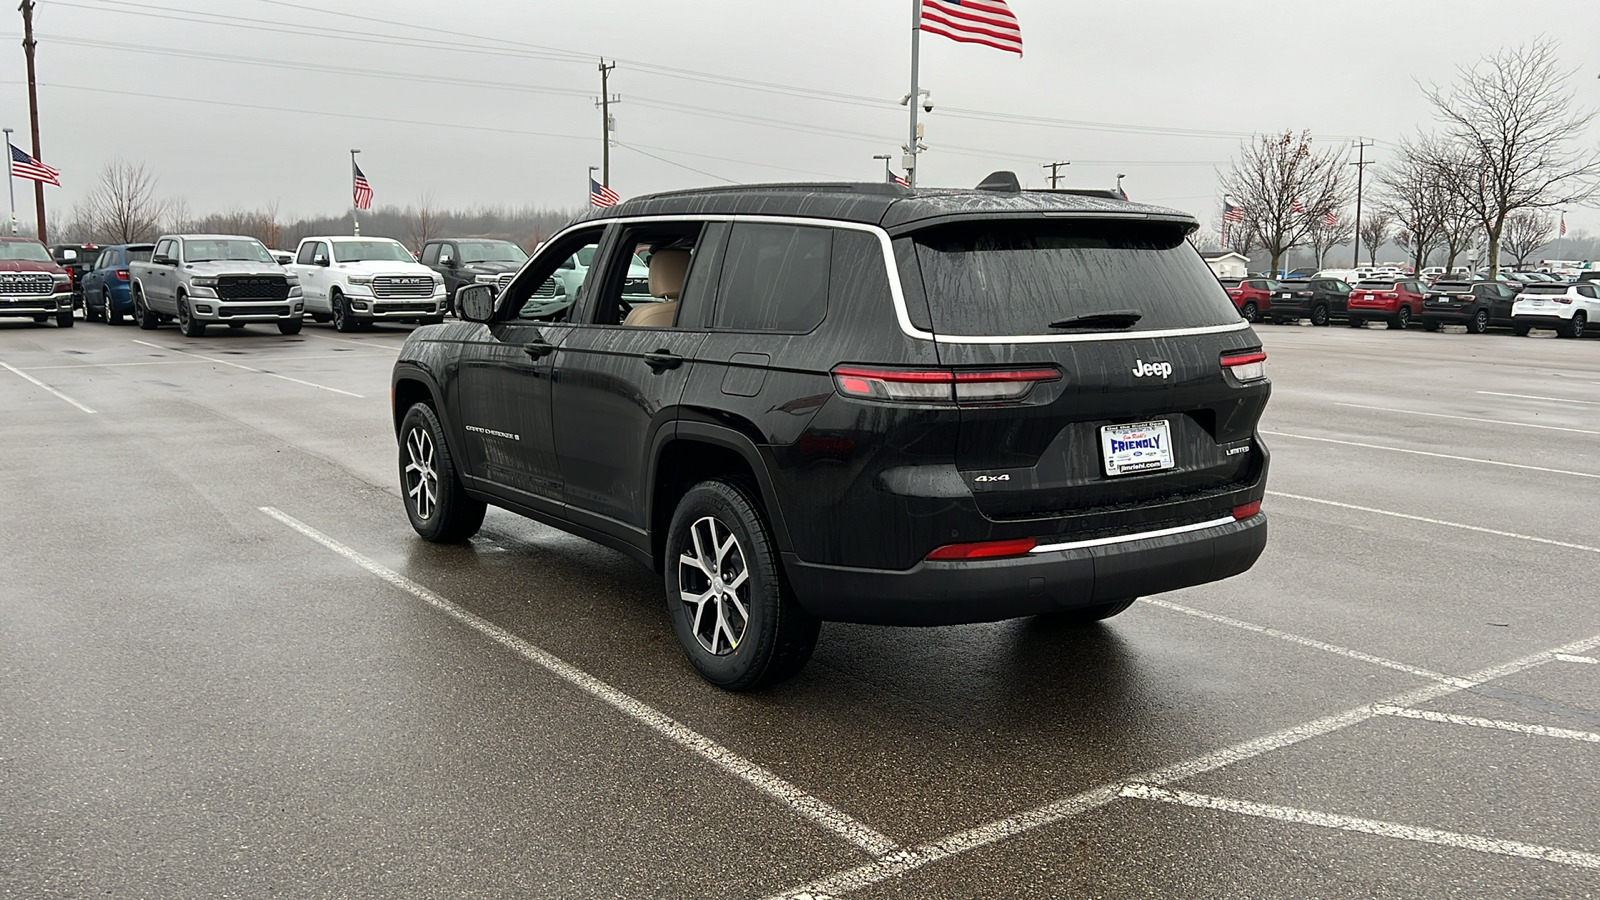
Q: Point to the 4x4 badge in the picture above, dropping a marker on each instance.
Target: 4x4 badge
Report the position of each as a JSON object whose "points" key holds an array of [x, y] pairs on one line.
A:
{"points": [[1142, 368], [982, 479]]}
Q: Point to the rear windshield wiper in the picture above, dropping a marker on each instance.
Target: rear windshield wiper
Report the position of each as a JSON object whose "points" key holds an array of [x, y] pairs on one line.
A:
{"points": [[1110, 320]]}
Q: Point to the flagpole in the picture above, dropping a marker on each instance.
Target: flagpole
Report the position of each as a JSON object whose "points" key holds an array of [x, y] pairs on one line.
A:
{"points": [[11, 183], [909, 163], [355, 222]]}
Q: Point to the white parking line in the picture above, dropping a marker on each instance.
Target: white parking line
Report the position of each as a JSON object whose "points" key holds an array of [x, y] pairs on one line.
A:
{"points": [[1471, 459], [198, 361], [224, 362], [819, 813], [911, 858], [1396, 830], [26, 377], [1532, 397], [1400, 515], [1496, 724], [1305, 641], [1567, 657], [1412, 412]]}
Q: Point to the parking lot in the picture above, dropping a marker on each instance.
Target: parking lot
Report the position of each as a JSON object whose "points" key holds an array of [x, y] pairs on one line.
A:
{"points": [[231, 668]]}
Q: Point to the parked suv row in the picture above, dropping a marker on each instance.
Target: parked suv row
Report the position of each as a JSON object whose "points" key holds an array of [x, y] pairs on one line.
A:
{"points": [[858, 403]]}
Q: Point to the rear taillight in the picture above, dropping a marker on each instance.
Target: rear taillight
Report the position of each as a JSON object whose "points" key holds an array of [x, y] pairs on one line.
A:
{"points": [[940, 385], [1246, 511], [1390, 296], [1563, 299], [984, 550], [122, 274], [1246, 366]]}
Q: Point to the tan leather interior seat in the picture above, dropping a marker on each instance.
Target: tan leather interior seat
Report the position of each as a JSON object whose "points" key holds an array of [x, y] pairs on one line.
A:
{"points": [[667, 271]]}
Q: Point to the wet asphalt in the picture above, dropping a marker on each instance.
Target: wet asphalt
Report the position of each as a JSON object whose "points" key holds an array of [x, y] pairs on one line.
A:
{"points": [[199, 700]]}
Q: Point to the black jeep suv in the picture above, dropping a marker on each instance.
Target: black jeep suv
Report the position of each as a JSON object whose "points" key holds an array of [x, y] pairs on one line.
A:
{"points": [[1319, 300], [855, 402], [1475, 304]]}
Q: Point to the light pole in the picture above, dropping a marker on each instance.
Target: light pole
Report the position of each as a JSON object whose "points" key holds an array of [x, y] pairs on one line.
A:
{"points": [[589, 188], [355, 220], [888, 176]]}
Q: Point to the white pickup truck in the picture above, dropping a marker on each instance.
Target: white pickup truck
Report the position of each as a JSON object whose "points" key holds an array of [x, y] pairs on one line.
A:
{"points": [[355, 281]]}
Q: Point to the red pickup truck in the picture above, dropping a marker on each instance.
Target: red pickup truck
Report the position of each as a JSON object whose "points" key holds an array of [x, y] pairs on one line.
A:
{"points": [[1394, 302]]}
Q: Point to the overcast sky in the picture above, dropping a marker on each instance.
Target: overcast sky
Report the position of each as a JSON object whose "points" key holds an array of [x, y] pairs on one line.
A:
{"points": [[248, 102]]}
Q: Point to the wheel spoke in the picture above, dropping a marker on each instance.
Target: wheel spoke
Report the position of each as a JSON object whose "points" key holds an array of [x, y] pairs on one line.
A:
{"points": [[739, 579]]}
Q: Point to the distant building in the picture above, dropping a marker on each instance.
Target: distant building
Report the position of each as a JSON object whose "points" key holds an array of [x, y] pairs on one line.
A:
{"points": [[1228, 264]]}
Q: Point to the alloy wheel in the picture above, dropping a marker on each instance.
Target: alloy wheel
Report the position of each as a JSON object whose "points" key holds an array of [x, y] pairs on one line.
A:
{"points": [[713, 582], [422, 474]]}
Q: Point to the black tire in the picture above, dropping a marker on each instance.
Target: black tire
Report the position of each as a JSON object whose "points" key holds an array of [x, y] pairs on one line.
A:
{"points": [[113, 315], [41, 319], [776, 635], [1355, 322], [147, 319], [1401, 319], [343, 321], [1479, 323], [1251, 312], [1520, 330], [1573, 327], [90, 314], [1430, 324], [64, 319], [1088, 615], [235, 325], [292, 326], [1319, 316], [321, 318], [446, 515], [187, 323]]}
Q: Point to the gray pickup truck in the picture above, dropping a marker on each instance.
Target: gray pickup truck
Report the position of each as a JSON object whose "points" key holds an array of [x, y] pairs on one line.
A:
{"points": [[214, 279]]}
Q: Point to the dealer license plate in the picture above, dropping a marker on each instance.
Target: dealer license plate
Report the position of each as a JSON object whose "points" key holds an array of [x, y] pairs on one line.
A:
{"points": [[1138, 447]]}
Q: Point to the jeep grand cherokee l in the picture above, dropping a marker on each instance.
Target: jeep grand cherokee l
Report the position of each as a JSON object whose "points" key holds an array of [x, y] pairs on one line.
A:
{"points": [[859, 403]]}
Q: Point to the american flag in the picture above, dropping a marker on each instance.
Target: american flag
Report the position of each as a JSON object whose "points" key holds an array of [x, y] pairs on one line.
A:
{"points": [[1331, 220], [1297, 206], [898, 179], [1563, 224], [987, 22], [25, 166], [601, 196], [1231, 213], [363, 190]]}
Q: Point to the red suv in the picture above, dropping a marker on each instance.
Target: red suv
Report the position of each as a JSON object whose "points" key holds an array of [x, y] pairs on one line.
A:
{"points": [[1251, 296], [1394, 302]]}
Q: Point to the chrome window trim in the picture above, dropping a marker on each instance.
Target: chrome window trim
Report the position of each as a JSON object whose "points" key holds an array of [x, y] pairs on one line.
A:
{"points": [[1127, 538], [893, 270]]}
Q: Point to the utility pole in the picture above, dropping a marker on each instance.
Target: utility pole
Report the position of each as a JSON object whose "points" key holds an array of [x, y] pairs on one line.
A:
{"points": [[604, 103], [1361, 164], [28, 44], [1055, 172]]}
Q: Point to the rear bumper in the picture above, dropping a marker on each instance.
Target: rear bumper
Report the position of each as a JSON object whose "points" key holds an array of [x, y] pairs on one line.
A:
{"points": [[949, 593], [1541, 321], [34, 304]]}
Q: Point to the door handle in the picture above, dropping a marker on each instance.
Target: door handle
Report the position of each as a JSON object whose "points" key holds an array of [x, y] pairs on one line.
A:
{"points": [[662, 360], [538, 349]]}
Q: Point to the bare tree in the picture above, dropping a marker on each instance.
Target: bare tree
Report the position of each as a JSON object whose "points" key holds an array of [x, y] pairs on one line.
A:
{"points": [[1284, 186], [1375, 233], [1411, 195], [123, 207], [1324, 236], [1527, 231], [425, 224], [1515, 130], [179, 219]]}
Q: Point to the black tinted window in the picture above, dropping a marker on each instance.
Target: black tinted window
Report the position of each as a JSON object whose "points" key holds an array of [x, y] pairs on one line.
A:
{"points": [[1545, 289], [138, 254], [775, 278], [1016, 278]]}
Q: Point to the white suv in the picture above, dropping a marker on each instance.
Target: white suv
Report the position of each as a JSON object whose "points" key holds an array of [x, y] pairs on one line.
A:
{"points": [[1568, 308]]}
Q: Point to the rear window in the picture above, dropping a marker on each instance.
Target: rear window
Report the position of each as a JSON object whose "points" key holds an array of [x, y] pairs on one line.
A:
{"points": [[1016, 278], [1375, 286], [1451, 287], [1545, 289], [1232, 282]]}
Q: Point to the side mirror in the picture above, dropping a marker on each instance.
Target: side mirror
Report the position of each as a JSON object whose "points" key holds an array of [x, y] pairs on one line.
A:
{"points": [[450, 263], [475, 302], [319, 260], [161, 261]]}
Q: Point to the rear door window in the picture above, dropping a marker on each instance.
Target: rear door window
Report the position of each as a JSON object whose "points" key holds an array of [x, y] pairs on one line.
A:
{"points": [[775, 278], [1004, 278]]}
